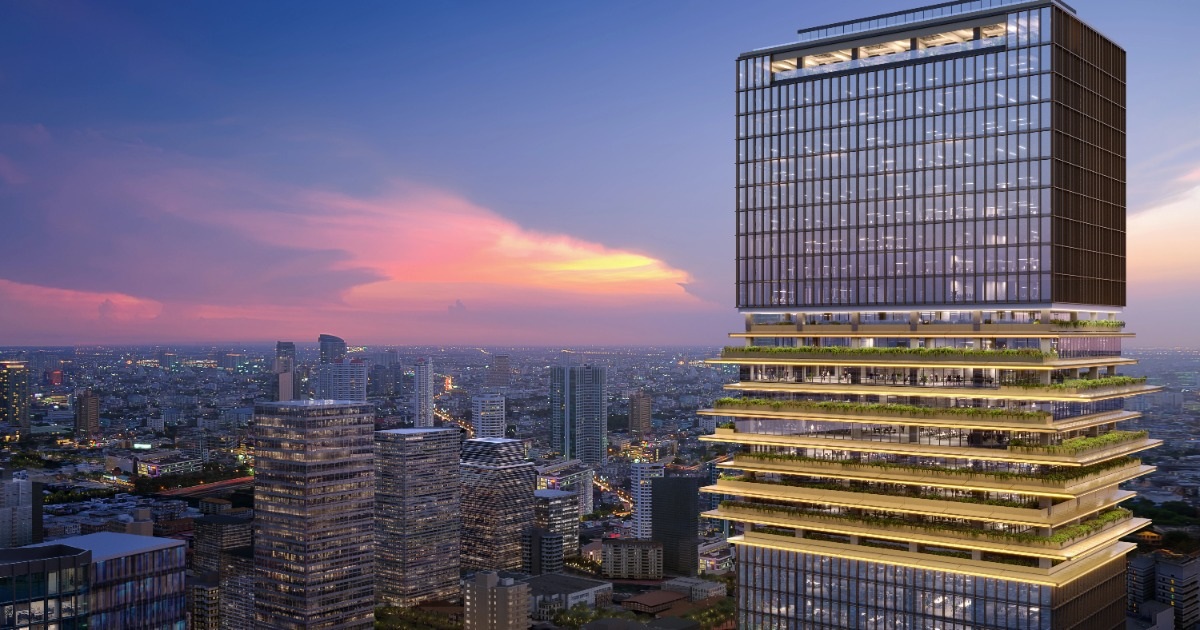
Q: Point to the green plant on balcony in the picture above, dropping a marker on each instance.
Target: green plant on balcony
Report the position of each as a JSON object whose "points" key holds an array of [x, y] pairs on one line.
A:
{"points": [[933, 496], [945, 351], [889, 408], [1088, 323], [1074, 446], [1086, 383]]}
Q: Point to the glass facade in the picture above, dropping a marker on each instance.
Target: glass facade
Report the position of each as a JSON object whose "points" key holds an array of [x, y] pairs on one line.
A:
{"points": [[930, 173], [44, 587], [140, 590]]}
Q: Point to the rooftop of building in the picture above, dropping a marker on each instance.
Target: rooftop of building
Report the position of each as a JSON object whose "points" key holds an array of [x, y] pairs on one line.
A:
{"points": [[223, 519], [108, 545], [419, 431], [553, 494], [655, 598], [41, 552], [562, 584], [310, 404]]}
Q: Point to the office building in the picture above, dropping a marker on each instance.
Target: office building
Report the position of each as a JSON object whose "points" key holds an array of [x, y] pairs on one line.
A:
{"points": [[497, 502], [1167, 578], [237, 579], [579, 413], [135, 582], [87, 415], [558, 511], [639, 414], [40, 584], [331, 348], [625, 559], [314, 493], [487, 415], [930, 264], [14, 395], [344, 380], [499, 374], [541, 551], [423, 393], [20, 512], [284, 370], [215, 534], [571, 475], [494, 601], [203, 602], [675, 522], [640, 476], [417, 521]]}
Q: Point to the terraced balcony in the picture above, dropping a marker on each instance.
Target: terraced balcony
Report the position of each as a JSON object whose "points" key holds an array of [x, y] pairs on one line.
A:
{"points": [[965, 389]]}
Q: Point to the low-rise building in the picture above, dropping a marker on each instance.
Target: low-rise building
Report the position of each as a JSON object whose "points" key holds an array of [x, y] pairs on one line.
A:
{"points": [[695, 588], [554, 592], [632, 559], [495, 601]]}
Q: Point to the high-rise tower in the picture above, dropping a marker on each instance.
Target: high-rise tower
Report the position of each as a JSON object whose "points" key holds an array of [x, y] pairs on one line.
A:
{"points": [[930, 261], [342, 380], [640, 476], [423, 401], [332, 348], [579, 412], [499, 374], [639, 413], [417, 521], [314, 489], [487, 414], [87, 415], [497, 502], [284, 370], [14, 395]]}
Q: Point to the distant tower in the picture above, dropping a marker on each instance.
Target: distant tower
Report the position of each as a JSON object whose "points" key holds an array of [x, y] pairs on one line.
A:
{"points": [[579, 413], [20, 512], [639, 413], [497, 502], [332, 348], [417, 520], [675, 522], [342, 380], [87, 415], [640, 476], [557, 511], [286, 381], [499, 372], [423, 394], [314, 529], [487, 415], [14, 395]]}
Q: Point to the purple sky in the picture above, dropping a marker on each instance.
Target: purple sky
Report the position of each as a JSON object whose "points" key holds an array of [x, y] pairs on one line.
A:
{"points": [[475, 173]]}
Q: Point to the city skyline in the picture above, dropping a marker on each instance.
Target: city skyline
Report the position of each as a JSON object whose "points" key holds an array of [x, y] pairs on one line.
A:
{"points": [[205, 193]]}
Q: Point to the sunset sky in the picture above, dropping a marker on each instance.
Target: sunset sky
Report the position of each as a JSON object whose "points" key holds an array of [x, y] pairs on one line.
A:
{"points": [[445, 172]]}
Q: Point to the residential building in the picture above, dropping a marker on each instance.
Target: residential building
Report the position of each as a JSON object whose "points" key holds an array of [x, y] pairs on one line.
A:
{"points": [[285, 376], [423, 396], [675, 522], [203, 603], [930, 212], [640, 476], [314, 492], [571, 475], [579, 412], [238, 578], [417, 520], [551, 593], [541, 551], [557, 511], [135, 582], [487, 415], [343, 380], [640, 405], [497, 502], [215, 534], [14, 395], [631, 559], [87, 415], [54, 585], [499, 374], [494, 601], [20, 512], [332, 348]]}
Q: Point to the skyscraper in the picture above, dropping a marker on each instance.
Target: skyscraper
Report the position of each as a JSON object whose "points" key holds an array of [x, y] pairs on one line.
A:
{"points": [[497, 502], [342, 380], [14, 395], [579, 412], [487, 415], [314, 489], [675, 522], [332, 348], [499, 373], [930, 260], [423, 392], [640, 476], [20, 512], [417, 521], [639, 413], [557, 511], [87, 415], [284, 369]]}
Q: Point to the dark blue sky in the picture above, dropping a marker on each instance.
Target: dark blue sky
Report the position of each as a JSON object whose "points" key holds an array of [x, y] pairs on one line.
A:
{"points": [[145, 147]]}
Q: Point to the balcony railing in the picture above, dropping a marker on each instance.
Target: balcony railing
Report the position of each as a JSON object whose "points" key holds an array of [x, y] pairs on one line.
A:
{"points": [[880, 410], [887, 355]]}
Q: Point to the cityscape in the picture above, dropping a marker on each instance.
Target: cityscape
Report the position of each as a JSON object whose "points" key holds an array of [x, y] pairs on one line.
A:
{"points": [[261, 369]]}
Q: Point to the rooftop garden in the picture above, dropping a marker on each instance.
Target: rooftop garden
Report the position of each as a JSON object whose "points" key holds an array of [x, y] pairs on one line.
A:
{"points": [[1075, 446], [1083, 384], [933, 496], [877, 408]]}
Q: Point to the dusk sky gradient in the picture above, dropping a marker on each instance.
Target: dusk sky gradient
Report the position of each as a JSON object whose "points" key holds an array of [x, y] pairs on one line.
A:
{"points": [[528, 173]]}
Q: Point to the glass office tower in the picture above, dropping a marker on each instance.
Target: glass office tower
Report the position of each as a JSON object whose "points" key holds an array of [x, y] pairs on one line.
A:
{"points": [[931, 262]]}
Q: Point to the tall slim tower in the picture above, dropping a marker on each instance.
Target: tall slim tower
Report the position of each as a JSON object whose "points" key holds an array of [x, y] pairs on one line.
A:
{"points": [[286, 381], [579, 412], [499, 373], [423, 394], [314, 489], [641, 474], [332, 348], [342, 380], [487, 414], [87, 415], [497, 502], [639, 413], [931, 261], [14, 395], [417, 522]]}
